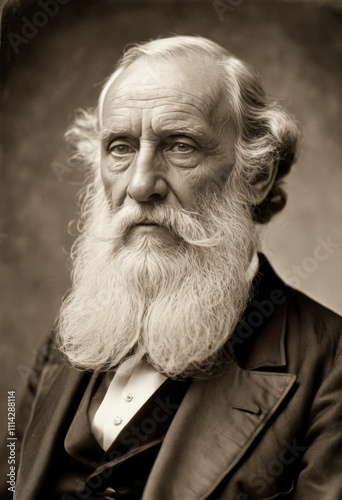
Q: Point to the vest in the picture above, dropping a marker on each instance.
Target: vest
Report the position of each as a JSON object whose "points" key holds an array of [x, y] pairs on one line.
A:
{"points": [[84, 471]]}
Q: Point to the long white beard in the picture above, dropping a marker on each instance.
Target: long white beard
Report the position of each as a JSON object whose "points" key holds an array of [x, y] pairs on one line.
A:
{"points": [[174, 300]]}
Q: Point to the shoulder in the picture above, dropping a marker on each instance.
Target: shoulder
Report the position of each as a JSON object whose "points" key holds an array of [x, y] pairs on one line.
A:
{"points": [[303, 312], [284, 327], [307, 311], [313, 330]]}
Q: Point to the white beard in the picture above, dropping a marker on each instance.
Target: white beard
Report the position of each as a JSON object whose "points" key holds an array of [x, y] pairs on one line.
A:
{"points": [[174, 300]]}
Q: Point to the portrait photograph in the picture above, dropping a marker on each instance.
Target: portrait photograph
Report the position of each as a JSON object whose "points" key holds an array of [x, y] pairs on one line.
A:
{"points": [[171, 249]]}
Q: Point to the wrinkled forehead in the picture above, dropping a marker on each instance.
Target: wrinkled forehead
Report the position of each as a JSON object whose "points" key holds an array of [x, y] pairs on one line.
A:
{"points": [[197, 85]]}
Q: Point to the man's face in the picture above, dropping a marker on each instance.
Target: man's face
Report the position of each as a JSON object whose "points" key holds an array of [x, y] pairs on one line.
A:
{"points": [[167, 135]]}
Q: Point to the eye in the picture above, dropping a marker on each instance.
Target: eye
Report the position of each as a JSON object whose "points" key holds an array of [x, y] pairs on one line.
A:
{"points": [[120, 149], [182, 147]]}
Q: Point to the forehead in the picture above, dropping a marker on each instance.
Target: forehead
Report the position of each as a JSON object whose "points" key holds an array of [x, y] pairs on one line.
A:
{"points": [[189, 89]]}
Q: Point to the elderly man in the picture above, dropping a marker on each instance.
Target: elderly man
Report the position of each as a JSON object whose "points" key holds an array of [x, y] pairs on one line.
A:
{"points": [[181, 366]]}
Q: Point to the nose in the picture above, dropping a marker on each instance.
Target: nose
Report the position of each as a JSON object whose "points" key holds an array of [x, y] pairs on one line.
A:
{"points": [[147, 184]]}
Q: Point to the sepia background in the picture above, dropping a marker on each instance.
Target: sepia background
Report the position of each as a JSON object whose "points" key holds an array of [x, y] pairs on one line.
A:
{"points": [[56, 62]]}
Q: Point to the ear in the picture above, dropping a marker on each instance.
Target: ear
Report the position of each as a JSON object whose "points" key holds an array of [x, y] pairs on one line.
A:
{"points": [[263, 184]]}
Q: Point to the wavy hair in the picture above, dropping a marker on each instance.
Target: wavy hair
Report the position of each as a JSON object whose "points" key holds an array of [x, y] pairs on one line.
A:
{"points": [[266, 135]]}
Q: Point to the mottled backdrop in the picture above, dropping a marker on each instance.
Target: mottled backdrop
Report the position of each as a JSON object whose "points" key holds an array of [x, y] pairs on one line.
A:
{"points": [[55, 61]]}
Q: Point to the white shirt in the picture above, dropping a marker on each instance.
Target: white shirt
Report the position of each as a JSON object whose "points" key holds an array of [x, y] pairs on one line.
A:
{"points": [[123, 396], [125, 392]]}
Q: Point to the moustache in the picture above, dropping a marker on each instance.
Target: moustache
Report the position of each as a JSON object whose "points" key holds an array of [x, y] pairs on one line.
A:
{"points": [[182, 223]]}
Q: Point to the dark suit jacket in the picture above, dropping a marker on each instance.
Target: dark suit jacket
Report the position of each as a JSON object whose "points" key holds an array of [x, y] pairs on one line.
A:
{"points": [[269, 427]]}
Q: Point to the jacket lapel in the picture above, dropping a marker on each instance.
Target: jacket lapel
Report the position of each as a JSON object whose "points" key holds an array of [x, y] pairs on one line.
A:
{"points": [[58, 395], [218, 420]]}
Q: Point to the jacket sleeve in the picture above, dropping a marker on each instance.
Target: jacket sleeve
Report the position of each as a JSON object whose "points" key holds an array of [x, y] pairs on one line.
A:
{"points": [[321, 471], [23, 411]]}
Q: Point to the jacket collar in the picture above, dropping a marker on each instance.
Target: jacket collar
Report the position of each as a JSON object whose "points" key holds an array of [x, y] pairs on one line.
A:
{"points": [[259, 338]]}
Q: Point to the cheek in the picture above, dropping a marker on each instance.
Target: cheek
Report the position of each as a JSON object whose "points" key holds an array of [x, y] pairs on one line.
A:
{"points": [[106, 178], [212, 177], [218, 182], [114, 186]]}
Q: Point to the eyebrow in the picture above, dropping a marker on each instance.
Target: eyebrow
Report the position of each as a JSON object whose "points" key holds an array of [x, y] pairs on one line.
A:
{"points": [[190, 130], [107, 132]]}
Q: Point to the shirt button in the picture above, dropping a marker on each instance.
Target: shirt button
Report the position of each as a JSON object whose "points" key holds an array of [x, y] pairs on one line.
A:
{"points": [[109, 494], [129, 397], [117, 420]]}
